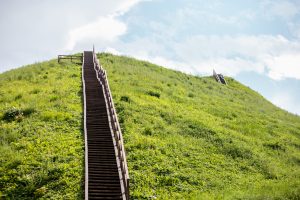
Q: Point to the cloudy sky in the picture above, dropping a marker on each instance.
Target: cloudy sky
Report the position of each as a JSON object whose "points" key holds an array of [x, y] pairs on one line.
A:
{"points": [[257, 42]]}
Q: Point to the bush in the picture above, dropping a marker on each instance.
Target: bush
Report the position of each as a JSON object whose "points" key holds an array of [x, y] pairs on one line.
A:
{"points": [[154, 94], [73, 75], [167, 117], [148, 131], [125, 98], [191, 95], [19, 96], [13, 114], [275, 146], [237, 152], [28, 111], [35, 91]]}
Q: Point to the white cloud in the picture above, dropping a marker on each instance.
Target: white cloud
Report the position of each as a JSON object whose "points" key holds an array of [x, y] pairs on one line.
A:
{"points": [[284, 66], [227, 66], [34, 30], [230, 55], [286, 101], [283, 9], [112, 50], [104, 29], [234, 54], [125, 5]]}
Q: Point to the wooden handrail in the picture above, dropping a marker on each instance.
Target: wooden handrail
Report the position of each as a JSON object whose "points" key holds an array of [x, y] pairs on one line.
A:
{"points": [[71, 57], [115, 127], [86, 164]]}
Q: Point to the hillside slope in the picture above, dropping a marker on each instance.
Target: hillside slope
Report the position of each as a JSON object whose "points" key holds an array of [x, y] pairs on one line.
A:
{"points": [[41, 141], [186, 137], [190, 137]]}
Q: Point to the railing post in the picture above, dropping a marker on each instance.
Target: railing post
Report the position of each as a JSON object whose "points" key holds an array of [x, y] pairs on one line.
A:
{"points": [[127, 188]]}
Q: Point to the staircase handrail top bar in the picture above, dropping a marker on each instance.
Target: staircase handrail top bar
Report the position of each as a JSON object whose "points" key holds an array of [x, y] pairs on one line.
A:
{"points": [[119, 128], [65, 56], [69, 55]]}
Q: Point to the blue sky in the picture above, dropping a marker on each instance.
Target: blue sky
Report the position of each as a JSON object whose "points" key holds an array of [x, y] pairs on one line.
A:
{"points": [[256, 42]]}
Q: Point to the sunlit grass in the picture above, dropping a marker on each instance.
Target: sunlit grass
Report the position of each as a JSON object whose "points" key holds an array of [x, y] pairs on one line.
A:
{"points": [[41, 142], [188, 137]]}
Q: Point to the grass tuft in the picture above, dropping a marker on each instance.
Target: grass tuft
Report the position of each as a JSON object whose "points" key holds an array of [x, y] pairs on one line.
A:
{"points": [[12, 114], [125, 99], [154, 94]]}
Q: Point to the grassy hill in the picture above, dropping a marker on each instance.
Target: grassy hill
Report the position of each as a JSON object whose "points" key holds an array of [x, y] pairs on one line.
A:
{"points": [[41, 141], [186, 137]]}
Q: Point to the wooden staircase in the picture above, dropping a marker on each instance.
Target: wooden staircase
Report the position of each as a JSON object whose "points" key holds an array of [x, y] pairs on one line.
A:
{"points": [[104, 176]]}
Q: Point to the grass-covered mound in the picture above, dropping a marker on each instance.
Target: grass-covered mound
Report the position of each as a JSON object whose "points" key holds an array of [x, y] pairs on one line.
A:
{"points": [[191, 138], [41, 141], [186, 137]]}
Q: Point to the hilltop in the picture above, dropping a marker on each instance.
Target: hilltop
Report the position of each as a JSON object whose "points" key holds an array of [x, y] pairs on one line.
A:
{"points": [[186, 137]]}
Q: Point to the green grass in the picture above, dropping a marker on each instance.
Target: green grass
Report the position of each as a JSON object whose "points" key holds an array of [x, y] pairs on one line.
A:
{"points": [[186, 137], [41, 141]]}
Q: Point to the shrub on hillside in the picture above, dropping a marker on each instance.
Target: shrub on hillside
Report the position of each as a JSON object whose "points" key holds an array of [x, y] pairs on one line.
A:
{"points": [[19, 96], [35, 91], [191, 95], [236, 151], [125, 98], [28, 111], [148, 131], [154, 94], [15, 114], [12, 114]]}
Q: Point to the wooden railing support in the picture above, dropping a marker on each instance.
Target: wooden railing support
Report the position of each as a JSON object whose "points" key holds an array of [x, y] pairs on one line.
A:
{"points": [[71, 57], [115, 127]]}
